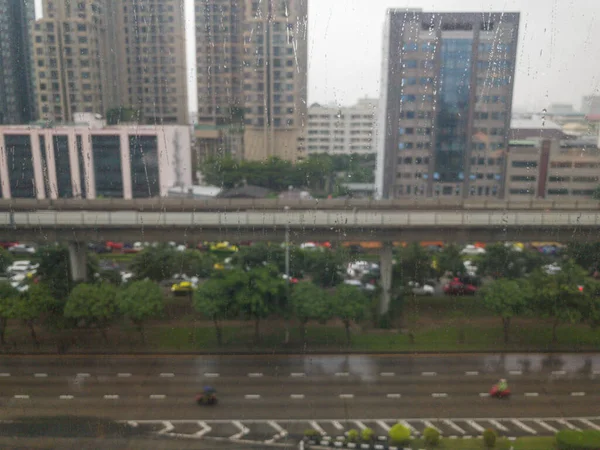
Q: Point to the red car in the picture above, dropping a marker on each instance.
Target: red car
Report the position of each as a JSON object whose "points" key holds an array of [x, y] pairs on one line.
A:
{"points": [[6, 245], [460, 287], [495, 392], [114, 245]]}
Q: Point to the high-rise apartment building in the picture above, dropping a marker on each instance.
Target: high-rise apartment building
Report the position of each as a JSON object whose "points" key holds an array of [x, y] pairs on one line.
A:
{"points": [[151, 59], [445, 110], [17, 102], [252, 62], [73, 70]]}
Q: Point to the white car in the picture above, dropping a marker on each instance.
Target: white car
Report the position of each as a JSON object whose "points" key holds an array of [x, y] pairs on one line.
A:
{"points": [[417, 289], [552, 269], [22, 249], [470, 268], [181, 248], [472, 250], [21, 267], [125, 276]]}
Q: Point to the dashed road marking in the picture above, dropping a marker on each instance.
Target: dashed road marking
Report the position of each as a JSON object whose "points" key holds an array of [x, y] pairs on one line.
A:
{"points": [[589, 424], [158, 396], [523, 427], [167, 375], [243, 430], [40, 375], [471, 373], [428, 424], [346, 395], [111, 397], [412, 429], [255, 374], [337, 425], [543, 424], [498, 425], [281, 433], [297, 396], [394, 395], [439, 395], [22, 397], [297, 374], [252, 396], [65, 397], [484, 394], [342, 374], [384, 425], [211, 375], [315, 426], [429, 374], [123, 374], [387, 374], [559, 372], [577, 394], [476, 426], [168, 427], [515, 372], [360, 425], [4, 374], [531, 394], [453, 426], [568, 425], [83, 375], [205, 429]]}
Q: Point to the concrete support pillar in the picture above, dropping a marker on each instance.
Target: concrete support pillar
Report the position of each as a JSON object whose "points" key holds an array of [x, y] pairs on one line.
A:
{"points": [[385, 268], [78, 261]]}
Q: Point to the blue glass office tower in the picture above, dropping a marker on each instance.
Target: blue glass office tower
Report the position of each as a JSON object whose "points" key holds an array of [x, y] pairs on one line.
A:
{"points": [[444, 118]]}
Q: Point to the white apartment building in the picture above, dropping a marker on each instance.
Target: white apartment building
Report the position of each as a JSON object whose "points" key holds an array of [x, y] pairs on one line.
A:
{"points": [[342, 130], [91, 160]]}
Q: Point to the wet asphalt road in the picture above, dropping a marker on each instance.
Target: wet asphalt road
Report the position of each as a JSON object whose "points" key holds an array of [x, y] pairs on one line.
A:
{"points": [[300, 387]]}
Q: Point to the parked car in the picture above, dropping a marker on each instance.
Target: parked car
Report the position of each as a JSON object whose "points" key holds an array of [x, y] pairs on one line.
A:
{"points": [[182, 288], [472, 250], [552, 269], [99, 248], [21, 267], [7, 244], [459, 286], [417, 289], [22, 249], [114, 245]]}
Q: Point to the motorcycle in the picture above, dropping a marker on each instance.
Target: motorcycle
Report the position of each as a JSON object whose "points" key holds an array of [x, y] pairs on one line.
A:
{"points": [[497, 393], [207, 398]]}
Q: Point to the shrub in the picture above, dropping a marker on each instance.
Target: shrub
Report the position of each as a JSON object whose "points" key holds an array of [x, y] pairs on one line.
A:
{"points": [[431, 436], [352, 435], [311, 434], [399, 434], [578, 440], [489, 438], [367, 435]]}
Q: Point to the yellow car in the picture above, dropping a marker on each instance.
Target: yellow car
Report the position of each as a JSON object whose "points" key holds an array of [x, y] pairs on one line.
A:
{"points": [[183, 287], [223, 247]]}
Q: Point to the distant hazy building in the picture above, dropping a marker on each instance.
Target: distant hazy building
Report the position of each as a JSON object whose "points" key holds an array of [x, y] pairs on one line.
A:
{"points": [[552, 169], [90, 160], [17, 99], [590, 105], [342, 130], [561, 109], [536, 127], [252, 63], [445, 107]]}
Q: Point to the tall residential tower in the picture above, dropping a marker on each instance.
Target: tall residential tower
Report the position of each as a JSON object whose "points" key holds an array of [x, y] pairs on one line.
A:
{"points": [[445, 109], [17, 102]]}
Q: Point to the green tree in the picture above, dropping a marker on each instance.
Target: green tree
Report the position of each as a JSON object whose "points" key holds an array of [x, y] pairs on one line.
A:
{"points": [[506, 298], [55, 270], [262, 296], [216, 298], [596, 194], [123, 114], [414, 263], [501, 261], [29, 307], [139, 302], [6, 259], [450, 260], [7, 300], [194, 263], [585, 254], [222, 172], [350, 304], [310, 302], [558, 297], [95, 304], [154, 263], [324, 267]]}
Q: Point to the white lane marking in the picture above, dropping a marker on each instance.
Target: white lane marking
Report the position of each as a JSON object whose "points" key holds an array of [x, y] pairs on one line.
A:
{"points": [[523, 427], [428, 424], [412, 429], [498, 425], [578, 394], [453, 426], [484, 394], [243, 430], [384, 425], [568, 425], [65, 397], [515, 372], [472, 373], [360, 425], [111, 396], [252, 396], [4, 374], [387, 374], [531, 394], [543, 424], [342, 374], [83, 375], [168, 426], [337, 425], [281, 433], [467, 436], [346, 395], [475, 425], [211, 375], [255, 375], [439, 395], [158, 396], [167, 375], [297, 374], [429, 374], [589, 424], [22, 397], [123, 374], [205, 429], [559, 372], [133, 423], [317, 427], [297, 396], [394, 395], [40, 375]]}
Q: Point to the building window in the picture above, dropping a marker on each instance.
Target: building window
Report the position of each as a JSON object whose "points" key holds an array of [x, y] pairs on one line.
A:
{"points": [[562, 191], [525, 164], [107, 166]]}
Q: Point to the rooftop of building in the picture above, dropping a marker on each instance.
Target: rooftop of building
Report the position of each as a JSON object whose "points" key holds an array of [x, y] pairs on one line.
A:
{"points": [[533, 123]]}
